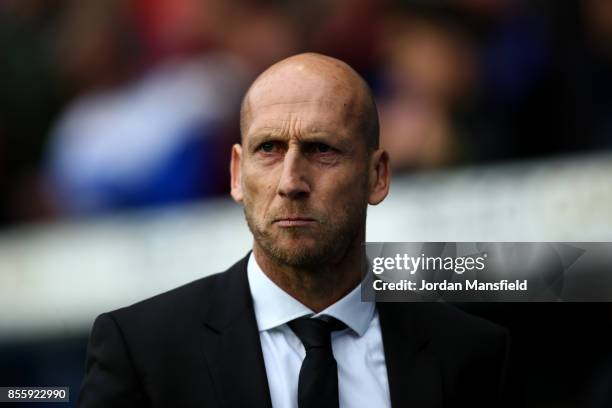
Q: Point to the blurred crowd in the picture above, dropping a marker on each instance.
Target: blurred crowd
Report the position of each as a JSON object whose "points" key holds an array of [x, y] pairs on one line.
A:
{"points": [[116, 104]]}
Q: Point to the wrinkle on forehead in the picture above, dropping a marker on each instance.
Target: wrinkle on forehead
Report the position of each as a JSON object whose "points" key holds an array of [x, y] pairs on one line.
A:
{"points": [[309, 79]]}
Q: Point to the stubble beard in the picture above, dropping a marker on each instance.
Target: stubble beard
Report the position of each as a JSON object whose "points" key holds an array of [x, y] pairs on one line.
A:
{"points": [[333, 239]]}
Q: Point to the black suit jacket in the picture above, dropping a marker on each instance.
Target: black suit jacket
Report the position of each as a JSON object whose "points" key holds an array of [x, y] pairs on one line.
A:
{"points": [[198, 346]]}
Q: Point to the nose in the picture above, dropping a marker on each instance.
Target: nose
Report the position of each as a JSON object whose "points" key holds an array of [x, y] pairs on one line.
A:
{"points": [[293, 183]]}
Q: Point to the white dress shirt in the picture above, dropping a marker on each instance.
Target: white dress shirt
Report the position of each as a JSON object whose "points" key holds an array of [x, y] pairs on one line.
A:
{"points": [[358, 350]]}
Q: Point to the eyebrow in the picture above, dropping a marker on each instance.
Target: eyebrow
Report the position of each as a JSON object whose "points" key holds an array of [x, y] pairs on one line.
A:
{"points": [[314, 137], [260, 136]]}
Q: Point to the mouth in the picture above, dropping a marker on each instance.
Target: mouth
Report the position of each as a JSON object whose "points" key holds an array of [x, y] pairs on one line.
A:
{"points": [[293, 222]]}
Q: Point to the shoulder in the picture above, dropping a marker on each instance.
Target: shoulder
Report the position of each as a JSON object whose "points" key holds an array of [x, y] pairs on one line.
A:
{"points": [[179, 307], [463, 332], [444, 318], [144, 350], [450, 330], [466, 342], [439, 318], [191, 296]]}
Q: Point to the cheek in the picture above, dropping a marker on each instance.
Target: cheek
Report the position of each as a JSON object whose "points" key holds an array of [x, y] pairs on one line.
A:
{"points": [[342, 199], [349, 185], [258, 188]]}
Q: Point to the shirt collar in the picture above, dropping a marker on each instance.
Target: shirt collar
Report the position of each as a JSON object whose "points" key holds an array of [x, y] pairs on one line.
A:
{"points": [[275, 307]]}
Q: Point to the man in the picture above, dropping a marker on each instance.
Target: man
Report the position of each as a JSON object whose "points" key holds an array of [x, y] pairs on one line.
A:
{"points": [[285, 326]]}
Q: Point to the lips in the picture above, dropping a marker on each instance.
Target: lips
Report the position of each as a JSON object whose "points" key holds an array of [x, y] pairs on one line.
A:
{"points": [[292, 222]]}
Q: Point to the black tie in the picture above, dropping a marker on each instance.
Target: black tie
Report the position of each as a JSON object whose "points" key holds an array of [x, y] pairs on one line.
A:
{"points": [[318, 381]]}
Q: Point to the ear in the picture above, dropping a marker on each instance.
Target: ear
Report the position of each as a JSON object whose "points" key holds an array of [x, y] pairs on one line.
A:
{"points": [[379, 177], [236, 173]]}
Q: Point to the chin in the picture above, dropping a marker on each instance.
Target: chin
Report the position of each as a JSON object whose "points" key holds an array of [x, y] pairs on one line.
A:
{"points": [[298, 246], [303, 253]]}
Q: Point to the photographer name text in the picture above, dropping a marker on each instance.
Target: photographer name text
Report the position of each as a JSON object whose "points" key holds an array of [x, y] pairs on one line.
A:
{"points": [[468, 285]]}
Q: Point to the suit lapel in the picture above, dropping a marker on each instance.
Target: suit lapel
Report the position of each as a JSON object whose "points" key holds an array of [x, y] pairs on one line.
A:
{"points": [[231, 343], [414, 374], [234, 357]]}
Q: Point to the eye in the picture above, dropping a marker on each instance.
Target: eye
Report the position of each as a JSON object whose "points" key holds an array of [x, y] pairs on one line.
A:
{"points": [[322, 148], [267, 147], [322, 152]]}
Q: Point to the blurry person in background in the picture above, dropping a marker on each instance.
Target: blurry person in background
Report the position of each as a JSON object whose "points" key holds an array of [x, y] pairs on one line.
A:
{"points": [[30, 98], [95, 48], [152, 141], [591, 73], [349, 29], [428, 73]]}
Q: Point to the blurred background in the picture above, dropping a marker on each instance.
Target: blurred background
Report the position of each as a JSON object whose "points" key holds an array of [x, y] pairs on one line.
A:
{"points": [[116, 120]]}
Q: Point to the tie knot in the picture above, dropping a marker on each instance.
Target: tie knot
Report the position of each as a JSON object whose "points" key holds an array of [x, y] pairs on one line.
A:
{"points": [[315, 332]]}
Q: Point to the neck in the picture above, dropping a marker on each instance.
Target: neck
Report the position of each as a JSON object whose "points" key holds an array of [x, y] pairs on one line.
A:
{"points": [[320, 288]]}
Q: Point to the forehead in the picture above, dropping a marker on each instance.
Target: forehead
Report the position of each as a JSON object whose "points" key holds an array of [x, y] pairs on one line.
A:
{"points": [[303, 101]]}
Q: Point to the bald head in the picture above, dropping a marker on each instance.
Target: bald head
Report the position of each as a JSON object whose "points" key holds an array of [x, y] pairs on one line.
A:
{"points": [[301, 80]]}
